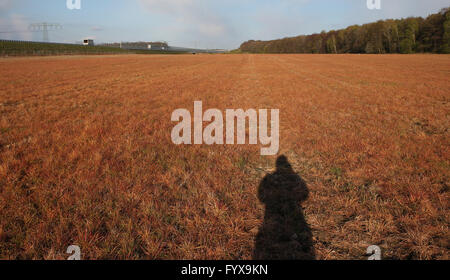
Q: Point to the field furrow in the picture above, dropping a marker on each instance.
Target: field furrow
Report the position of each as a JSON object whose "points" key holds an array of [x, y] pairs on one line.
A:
{"points": [[86, 156]]}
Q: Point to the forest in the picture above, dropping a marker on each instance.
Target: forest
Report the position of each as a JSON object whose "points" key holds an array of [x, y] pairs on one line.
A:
{"points": [[410, 35]]}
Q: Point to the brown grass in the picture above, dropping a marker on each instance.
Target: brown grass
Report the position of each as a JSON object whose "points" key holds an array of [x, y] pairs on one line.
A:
{"points": [[86, 156]]}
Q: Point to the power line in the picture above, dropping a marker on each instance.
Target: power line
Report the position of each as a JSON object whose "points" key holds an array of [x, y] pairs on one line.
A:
{"points": [[45, 27], [17, 31]]}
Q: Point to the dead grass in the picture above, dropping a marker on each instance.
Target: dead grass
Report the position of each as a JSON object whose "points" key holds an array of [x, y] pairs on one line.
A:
{"points": [[86, 156]]}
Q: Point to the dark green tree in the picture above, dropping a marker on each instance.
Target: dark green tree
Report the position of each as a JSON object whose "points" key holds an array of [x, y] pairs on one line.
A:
{"points": [[446, 37], [390, 36]]}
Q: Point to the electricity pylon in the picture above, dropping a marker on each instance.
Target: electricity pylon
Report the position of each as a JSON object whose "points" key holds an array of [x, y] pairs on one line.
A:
{"points": [[44, 27]]}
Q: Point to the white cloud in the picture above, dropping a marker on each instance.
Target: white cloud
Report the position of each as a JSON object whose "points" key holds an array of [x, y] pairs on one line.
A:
{"points": [[171, 6], [96, 28], [191, 18], [406, 8], [5, 5], [18, 26], [15, 24]]}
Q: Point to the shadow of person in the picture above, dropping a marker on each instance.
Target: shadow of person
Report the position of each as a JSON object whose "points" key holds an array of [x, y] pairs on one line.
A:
{"points": [[285, 234]]}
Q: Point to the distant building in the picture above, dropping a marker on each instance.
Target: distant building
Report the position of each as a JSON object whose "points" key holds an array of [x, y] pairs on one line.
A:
{"points": [[88, 42], [154, 46], [158, 46]]}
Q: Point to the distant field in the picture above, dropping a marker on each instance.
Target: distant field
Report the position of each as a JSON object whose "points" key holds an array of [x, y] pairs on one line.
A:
{"points": [[15, 48], [86, 157]]}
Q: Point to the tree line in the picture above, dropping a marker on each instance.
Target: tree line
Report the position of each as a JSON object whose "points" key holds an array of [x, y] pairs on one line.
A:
{"points": [[410, 35]]}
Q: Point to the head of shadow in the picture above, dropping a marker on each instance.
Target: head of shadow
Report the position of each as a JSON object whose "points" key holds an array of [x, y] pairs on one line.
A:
{"points": [[284, 234]]}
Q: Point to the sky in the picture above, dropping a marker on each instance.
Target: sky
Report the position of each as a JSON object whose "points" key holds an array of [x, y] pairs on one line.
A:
{"points": [[223, 24]]}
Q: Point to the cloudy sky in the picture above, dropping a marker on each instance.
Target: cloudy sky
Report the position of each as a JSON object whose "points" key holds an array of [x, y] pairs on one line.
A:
{"points": [[197, 23]]}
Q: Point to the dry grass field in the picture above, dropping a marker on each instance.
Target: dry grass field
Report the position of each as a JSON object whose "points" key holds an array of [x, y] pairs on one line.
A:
{"points": [[86, 158]]}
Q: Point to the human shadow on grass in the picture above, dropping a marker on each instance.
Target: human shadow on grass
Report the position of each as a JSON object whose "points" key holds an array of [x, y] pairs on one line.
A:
{"points": [[285, 234]]}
